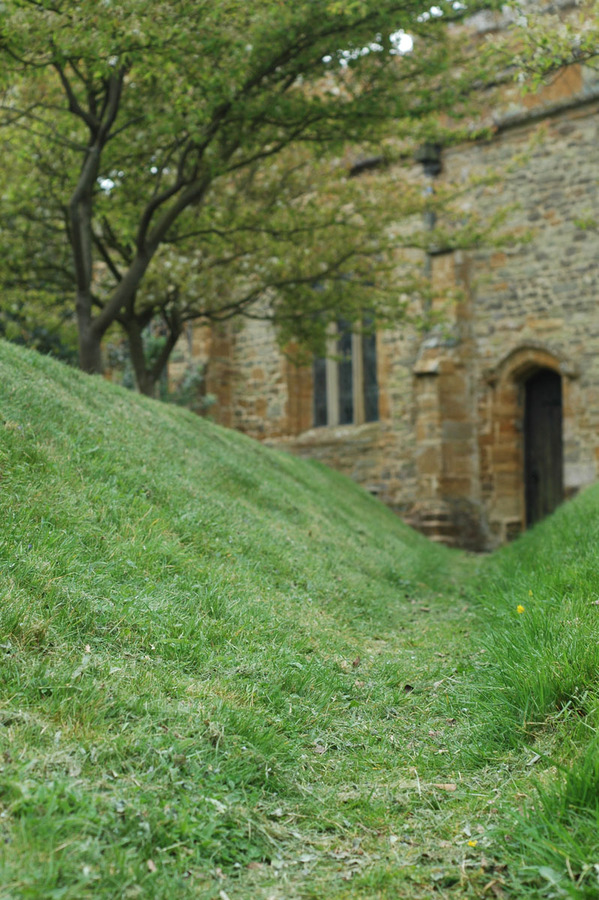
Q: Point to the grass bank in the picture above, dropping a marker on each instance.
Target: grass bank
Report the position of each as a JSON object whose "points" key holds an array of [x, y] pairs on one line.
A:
{"points": [[536, 689], [227, 673]]}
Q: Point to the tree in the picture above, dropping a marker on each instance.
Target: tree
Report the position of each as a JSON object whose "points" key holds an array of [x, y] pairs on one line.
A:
{"points": [[546, 40], [145, 115], [36, 274]]}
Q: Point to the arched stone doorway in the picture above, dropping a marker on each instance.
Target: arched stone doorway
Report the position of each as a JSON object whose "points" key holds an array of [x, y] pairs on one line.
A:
{"points": [[524, 417], [543, 444]]}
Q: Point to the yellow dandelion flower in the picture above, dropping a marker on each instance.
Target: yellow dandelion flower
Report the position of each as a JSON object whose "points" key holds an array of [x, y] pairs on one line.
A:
{"points": [[519, 609], [472, 843]]}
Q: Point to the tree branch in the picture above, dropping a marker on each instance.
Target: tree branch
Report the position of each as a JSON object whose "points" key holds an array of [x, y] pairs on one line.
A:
{"points": [[103, 250], [74, 105]]}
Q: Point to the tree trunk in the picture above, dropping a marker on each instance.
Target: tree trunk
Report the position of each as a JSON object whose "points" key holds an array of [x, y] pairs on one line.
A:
{"points": [[90, 353], [146, 383], [174, 333]]}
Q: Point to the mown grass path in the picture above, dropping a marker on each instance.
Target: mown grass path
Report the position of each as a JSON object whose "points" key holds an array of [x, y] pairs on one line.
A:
{"points": [[408, 810], [227, 673]]}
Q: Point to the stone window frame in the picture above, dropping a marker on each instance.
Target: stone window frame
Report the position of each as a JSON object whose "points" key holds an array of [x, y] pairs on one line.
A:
{"points": [[332, 381]]}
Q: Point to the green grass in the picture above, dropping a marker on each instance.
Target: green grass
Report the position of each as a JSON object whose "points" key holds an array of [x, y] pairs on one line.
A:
{"points": [[537, 687], [228, 672]]}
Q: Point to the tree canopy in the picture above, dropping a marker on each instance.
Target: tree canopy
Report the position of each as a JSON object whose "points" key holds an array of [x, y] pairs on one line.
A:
{"points": [[164, 139], [547, 38]]}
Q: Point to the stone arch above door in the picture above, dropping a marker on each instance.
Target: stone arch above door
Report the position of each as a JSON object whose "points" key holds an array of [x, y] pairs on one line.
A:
{"points": [[502, 438], [526, 359]]}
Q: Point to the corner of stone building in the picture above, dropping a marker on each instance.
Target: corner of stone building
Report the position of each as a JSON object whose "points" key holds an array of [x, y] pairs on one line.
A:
{"points": [[448, 508]]}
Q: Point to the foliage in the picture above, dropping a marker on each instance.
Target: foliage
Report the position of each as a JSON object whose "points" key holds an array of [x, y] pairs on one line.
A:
{"points": [[547, 38], [147, 132], [35, 275], [190, 391], [36, 320]]}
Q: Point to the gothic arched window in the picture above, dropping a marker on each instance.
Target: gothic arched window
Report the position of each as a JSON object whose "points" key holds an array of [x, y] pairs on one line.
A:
{"points": [[345, 382]]}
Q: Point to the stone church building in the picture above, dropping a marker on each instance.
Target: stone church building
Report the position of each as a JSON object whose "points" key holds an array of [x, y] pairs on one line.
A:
{"points": [[475, 431]]}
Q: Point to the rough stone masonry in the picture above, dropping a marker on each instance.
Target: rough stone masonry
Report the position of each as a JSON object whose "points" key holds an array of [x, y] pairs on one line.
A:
{"points": [[459, 409]]}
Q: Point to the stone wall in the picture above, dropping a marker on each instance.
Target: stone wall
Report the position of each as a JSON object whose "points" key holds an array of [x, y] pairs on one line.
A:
{"points": [[535, 305], [447, 452]]}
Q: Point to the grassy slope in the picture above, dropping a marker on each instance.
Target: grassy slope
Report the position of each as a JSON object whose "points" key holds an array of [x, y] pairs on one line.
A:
{"points": [[227, 670], [536, 690]]}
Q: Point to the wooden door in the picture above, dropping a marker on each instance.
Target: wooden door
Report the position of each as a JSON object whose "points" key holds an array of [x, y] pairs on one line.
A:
{"points": [[543, 450]]}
